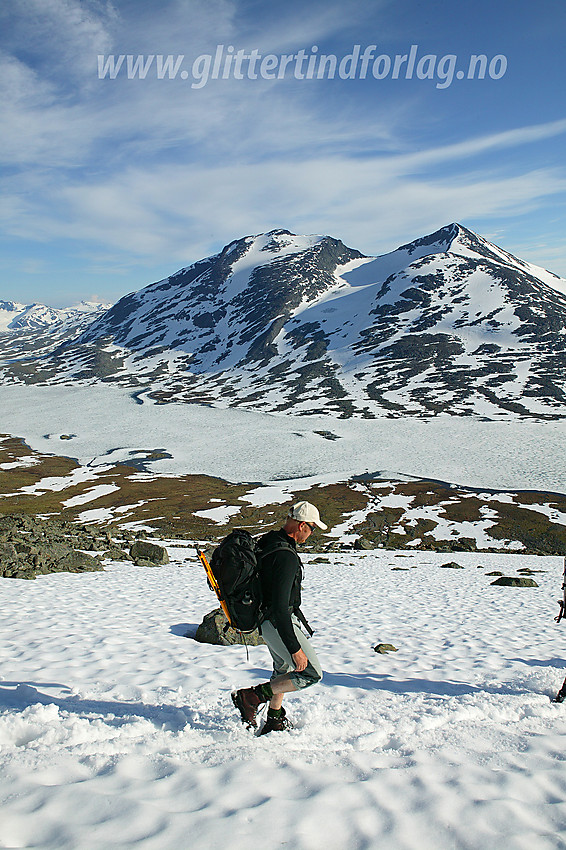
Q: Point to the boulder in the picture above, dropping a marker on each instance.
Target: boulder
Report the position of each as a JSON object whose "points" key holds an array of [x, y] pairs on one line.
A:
{"points": [[382, 648], [76, 562], [117, 554], [515, 581], [215, 629], [8, 551], [451, 565], [143, 551]]}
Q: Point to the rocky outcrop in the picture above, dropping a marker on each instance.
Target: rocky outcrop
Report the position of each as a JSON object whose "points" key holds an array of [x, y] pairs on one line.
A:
{"points": [[31, 546], [515, 581]]}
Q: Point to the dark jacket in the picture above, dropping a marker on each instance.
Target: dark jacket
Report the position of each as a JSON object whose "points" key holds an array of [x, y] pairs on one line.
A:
{"points": [[281, 574]]}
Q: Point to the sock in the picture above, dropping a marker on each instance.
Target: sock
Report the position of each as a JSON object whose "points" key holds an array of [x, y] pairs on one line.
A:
{"points": [[274, 712], [265, 690]]}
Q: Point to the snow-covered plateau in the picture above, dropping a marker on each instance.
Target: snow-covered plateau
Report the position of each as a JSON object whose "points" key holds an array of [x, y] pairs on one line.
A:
{"points": [[116, 731]]}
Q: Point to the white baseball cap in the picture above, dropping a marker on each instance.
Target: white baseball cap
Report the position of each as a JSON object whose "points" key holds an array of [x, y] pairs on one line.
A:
{"points": [[305, 512]]}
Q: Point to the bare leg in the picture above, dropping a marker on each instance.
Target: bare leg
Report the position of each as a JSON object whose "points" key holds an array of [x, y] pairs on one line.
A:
{"points": [[280, 685]]}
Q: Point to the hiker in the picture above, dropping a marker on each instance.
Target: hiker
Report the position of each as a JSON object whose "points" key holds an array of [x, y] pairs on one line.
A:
{"points": [[295, 665], [561, 695]]}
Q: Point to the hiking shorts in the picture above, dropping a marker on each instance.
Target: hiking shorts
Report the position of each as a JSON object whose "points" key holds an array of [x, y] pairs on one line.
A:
{"points": [[282, 660]]}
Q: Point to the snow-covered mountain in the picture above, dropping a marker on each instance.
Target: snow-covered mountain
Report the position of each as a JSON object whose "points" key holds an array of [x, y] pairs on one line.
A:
{"points": [[276, 322], [36, 329], [15, 316]]}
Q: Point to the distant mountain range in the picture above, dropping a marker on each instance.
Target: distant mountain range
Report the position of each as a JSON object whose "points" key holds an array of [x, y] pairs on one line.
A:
{"points": [[449, 323], [34, 330]]}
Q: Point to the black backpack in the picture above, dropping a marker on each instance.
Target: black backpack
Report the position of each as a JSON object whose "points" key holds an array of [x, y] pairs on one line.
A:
{"points": [[234, 575], [235, 567]]}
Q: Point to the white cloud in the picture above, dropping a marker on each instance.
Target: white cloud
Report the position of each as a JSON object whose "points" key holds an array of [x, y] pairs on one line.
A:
{"points": [[178, 211], [489, 142], [58, 33]]}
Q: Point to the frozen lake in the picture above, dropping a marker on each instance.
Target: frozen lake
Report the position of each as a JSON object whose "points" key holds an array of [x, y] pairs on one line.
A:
{"points": [[107, 424]]}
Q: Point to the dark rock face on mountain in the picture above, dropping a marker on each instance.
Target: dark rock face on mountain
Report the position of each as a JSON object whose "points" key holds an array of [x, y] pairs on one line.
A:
{"points": [[448, 323], [237, 301]]}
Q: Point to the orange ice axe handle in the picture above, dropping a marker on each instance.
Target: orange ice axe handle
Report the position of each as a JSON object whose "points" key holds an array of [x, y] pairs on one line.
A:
{"points": [[212, 583]]}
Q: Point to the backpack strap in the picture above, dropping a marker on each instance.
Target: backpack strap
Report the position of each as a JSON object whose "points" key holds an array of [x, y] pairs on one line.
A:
{"points": [[263, 553], [300, 616], [282, 545]]}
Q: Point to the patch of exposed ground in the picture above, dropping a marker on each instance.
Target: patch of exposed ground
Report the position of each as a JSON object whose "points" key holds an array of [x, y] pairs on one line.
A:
{"points": [[380, 513]]}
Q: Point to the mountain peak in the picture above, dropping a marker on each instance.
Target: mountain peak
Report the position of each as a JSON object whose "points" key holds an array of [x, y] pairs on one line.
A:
{"points": [[443, 237]]}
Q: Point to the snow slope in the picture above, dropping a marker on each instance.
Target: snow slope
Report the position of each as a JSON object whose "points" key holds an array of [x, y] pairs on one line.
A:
{"points": [[118, 732], [33, 330], [15, 316]]}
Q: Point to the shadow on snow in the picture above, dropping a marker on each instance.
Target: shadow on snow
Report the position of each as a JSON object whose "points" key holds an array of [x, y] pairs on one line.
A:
{"points": [[370, 682], [21, 695]]}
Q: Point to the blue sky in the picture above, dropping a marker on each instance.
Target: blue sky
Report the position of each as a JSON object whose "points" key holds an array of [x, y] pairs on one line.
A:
{"points": [[110, 184]]}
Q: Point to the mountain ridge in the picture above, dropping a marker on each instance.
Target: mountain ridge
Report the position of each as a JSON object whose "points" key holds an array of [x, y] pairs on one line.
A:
{"points": [[448, 323]]}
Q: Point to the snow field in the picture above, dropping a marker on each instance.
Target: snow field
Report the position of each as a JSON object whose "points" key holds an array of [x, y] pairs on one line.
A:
{"points": [[108, 427], [118, 732]]}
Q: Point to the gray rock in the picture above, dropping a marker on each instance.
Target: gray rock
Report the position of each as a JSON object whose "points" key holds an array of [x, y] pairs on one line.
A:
{"points": [[214, 629], [8, 552], [360, 543], [382, 648], [30, 546], [143, 562], [117, 554], [141, 550], [514, 581], [451, 565], [78, 562]]}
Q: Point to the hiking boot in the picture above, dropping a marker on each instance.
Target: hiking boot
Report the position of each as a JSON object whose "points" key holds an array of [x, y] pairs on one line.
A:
{"points": [[247, 701], [276, 723]]}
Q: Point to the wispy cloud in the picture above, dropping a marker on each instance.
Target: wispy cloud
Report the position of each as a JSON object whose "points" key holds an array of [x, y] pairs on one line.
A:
{"points": [[489, 142], [179, 210], [57, 35]]}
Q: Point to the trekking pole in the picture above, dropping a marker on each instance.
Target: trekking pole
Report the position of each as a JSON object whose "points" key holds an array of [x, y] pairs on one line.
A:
{"points": [[212, 583], [562, 602]]}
